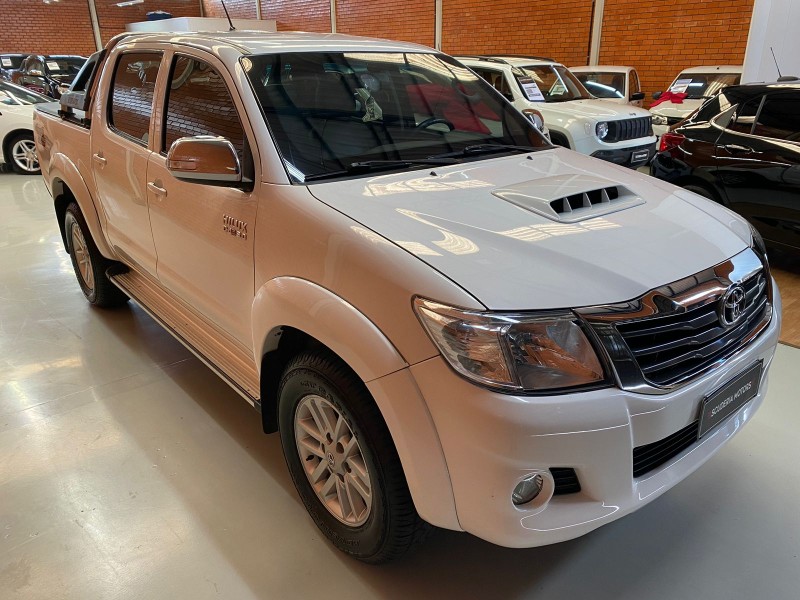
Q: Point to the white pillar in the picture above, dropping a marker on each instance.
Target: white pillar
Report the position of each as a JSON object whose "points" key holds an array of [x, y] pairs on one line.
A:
{"points": [[437, 36], [773, 28], [98, 40], [333, 16]]}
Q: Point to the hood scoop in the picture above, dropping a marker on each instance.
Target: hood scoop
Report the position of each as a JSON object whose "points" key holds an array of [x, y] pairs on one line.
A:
{"points": [[570, 198]]}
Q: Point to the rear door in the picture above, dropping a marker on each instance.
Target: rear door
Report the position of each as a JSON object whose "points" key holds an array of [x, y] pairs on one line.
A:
{"points": [[202, 259], [759, 166], [120, 152]]}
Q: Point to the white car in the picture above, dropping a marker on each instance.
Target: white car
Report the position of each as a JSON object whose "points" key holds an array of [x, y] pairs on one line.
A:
{"points": [[16, 127], [699, 84], [575, 118], [448, 319], [612, 83]]}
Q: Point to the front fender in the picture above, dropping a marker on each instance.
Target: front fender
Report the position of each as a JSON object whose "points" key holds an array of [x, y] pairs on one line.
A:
{"points": [[321, 314], [64, 174]]}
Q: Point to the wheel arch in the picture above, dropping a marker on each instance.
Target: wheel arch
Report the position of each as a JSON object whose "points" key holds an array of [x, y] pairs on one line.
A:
{"points": [[67, 185], [292, 315], [702, 182]]}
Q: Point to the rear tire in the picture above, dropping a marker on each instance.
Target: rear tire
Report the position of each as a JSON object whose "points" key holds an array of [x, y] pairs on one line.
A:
{"points": [[343, 462], [22, 154], [90, 266]]}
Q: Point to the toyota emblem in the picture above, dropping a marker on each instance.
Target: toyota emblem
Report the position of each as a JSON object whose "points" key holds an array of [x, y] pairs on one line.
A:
{"points": [[732, 305]]}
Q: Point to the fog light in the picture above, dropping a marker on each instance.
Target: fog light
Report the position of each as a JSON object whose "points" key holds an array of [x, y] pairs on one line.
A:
{"points": [[527, 489]]}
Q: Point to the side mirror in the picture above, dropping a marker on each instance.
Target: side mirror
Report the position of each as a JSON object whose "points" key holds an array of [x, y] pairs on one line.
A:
{"points": [[656, 95], [638, 96], [535, 116], [205, 159]]}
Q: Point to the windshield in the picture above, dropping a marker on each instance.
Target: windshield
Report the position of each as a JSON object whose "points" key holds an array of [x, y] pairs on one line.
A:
{"points": [[338, 114], [554, 82], [703, 85], [64, 68], [14, 94], [603, 84], [11, 61]]}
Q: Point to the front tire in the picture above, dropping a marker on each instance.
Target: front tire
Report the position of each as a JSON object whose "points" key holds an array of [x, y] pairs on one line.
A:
{"points": [[22, 155], [90, 266], [343, 462]]}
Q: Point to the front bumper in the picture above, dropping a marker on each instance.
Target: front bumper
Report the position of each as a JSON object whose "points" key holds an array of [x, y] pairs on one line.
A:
{"points": [[633, 157], [491, 441]]}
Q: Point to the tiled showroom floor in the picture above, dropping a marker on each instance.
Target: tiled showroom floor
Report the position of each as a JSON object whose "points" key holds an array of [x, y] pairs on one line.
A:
{"points": [[128, 470]]}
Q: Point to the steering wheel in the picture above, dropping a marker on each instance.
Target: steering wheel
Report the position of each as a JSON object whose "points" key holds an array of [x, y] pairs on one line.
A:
{"points": [[435, 121]]}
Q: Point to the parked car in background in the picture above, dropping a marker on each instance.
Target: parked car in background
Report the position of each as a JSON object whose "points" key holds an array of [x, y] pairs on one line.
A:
{"points": [[48, 75], [697, 84], [16, 127], [575, 118], [611, 83], [742, 149], [9, 63]]}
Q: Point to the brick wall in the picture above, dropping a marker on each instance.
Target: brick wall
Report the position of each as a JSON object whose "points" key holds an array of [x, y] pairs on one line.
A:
{"points": [[238, 9], [298, 15], [660, 39], [62, 28], [555, 28], [405, 20]]}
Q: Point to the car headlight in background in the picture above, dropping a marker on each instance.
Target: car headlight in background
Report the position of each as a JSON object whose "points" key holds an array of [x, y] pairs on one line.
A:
{"points": [[659, 120], [512, 351], [602, 130]]}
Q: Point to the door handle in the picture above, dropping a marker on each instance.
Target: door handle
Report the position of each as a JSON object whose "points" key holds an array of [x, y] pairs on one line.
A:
{"points": [[737, 149], [158, 191], [98, 158]]}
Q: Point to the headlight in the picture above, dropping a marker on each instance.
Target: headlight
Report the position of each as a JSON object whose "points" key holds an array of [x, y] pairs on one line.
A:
{"points": [[659, 120], [602, 130], [512, 351]]}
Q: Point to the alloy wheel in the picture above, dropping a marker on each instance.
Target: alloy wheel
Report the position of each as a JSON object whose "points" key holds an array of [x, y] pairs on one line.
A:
{"points": [[23, 152]]}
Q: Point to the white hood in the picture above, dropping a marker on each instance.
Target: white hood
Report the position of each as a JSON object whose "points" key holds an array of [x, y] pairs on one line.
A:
{"points": [[682, 110], [511, 257], [600, 110]]}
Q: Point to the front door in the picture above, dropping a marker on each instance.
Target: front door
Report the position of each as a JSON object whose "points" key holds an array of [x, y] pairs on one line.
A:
{"points": [[202, 258], [759, 167], [120, 151]]}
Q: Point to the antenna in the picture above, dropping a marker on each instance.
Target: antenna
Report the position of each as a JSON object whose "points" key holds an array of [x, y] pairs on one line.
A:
{"points": [[229, 17], [770, 49]]}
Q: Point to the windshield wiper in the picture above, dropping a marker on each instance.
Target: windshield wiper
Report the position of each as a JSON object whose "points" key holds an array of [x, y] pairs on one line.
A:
{"points": [[367, 166], [488, 149]]}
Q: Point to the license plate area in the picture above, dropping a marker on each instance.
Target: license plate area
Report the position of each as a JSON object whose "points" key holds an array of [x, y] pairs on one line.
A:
{"points": [[718, 406], [639, 156]]}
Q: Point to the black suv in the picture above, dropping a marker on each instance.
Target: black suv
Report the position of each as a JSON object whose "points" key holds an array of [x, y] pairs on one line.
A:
{"points": [[48, 75], [742, 149]]}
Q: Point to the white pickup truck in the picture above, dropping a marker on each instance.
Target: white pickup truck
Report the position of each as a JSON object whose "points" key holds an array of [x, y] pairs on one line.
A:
{"points": [[450, 321]]}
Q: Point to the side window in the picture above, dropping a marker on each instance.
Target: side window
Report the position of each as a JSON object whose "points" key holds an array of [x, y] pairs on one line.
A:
{"points": [[745, 116], [779, 118], [633, 83], [131, 104], [497, 80], [199, 103]]}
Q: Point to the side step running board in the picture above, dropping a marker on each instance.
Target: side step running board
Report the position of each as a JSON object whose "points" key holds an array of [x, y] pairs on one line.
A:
{"points": [[205, 340]]}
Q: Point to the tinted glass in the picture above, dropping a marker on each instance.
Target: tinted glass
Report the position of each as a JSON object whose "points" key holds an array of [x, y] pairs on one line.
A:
{"points": [[745, 115], [10, 61], [131, 102], [703, 85], [328, 111], [13, 94], [199, 103], [603, 84], [496, 79], [556, 83], [779, 117]]}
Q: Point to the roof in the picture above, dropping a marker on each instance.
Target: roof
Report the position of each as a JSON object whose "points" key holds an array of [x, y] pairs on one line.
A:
{"points": [[514, 61], [265, 42], [714, 69], [601, 69]]}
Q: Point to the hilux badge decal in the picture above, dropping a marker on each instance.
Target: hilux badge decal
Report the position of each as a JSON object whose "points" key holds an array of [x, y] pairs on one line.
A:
{"points": [[234, 226]]}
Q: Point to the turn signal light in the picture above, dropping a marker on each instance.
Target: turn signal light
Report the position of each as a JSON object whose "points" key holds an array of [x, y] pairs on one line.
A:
{"points": [[670, 140]]}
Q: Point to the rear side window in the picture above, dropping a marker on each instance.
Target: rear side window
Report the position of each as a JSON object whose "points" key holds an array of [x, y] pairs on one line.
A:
{"points": [[131, 103], [199, 103], [746, 115], [779, 118]]}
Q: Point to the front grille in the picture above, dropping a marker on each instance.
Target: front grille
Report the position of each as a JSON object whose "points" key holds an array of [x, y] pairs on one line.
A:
{"points": [[675, 347], [629, 129], [648, 457], [566, 481]]}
